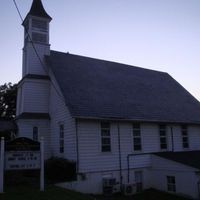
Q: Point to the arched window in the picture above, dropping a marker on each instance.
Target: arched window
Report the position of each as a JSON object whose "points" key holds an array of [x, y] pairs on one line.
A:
{"points": [[61, 138], [35, 133]]}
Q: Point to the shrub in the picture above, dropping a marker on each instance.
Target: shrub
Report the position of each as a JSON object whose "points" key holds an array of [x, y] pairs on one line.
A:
{"points": [[60, 170]]}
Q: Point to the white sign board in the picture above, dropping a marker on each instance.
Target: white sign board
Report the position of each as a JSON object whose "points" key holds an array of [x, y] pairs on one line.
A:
{"points": [[15, 160], [21, 154]]}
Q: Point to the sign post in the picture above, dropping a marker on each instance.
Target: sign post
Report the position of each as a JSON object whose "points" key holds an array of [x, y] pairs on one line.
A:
{"points": [[42, 164], [2, 165]]}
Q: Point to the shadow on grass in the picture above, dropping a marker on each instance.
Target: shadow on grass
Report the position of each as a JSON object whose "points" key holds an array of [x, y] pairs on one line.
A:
{"points": [[150, 194], [32, 193], [28, 191]]}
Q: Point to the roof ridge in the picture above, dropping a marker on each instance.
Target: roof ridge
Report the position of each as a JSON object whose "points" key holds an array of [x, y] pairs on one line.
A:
{"points": [[108, 61]]}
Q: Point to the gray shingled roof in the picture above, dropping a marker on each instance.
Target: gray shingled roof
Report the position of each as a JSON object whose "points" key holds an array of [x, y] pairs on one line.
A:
{"points": [[190, 158], [101, 89]]}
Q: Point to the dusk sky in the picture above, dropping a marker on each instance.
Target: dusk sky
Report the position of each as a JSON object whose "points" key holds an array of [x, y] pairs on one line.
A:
{"points": [[162, 35]]}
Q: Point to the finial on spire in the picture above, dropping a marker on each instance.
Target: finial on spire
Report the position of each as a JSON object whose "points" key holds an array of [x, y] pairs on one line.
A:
{"points": [[38, 10]]}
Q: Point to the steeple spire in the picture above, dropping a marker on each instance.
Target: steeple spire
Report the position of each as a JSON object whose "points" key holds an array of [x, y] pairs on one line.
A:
{"points": [[38, 10]]}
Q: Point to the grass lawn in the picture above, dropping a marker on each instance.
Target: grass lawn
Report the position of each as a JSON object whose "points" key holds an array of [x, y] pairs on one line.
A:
{"points": [[50, 193], [55, 193], [150, 194]]}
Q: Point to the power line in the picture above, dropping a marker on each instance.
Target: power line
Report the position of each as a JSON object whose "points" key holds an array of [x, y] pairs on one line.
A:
{"points": [[35, 50], [33, 45], [18, 10]]}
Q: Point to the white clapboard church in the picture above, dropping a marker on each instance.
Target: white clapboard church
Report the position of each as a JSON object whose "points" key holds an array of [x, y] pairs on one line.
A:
{"points": [[122, 125]]}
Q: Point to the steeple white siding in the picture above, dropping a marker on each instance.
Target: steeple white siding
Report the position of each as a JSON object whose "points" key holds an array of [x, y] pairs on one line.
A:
{"points": [[34, 96], [34, 63]]}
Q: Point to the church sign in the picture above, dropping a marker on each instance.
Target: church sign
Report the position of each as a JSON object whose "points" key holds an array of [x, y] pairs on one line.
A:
{"points": [[21, 154], [22, 160], [22, 144]]}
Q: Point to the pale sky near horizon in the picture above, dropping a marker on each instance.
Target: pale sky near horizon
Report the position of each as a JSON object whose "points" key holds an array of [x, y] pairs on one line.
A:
{"points": [[162, 35]]}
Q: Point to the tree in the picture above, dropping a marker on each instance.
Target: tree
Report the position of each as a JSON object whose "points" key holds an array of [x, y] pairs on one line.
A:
{"points": [[8, 96]]}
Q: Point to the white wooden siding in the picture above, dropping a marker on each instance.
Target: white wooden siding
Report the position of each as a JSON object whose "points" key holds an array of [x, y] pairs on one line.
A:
{"points": [[150, 138], [92, 159], [194, 137], [34, 96], [25, 129], [32, 64], [177, 137], [60, 115], [90, 155]]}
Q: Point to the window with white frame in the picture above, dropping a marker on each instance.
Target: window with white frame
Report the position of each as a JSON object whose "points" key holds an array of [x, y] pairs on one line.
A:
{"points": [[35, 133], [185, 141], [163, 137], [171, 183], [61, 138], [105, 137], [137, 143]]}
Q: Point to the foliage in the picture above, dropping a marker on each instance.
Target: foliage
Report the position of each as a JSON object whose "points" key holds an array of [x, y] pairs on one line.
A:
{"points": [[6, 134], [8, 95], [60, 170]]}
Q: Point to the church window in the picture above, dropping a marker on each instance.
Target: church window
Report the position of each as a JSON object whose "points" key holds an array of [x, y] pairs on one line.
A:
{"points": [[105, 137], [35, 133], [137, 143], [61, 138], [163, 137], [185, 141], [171, 183]]}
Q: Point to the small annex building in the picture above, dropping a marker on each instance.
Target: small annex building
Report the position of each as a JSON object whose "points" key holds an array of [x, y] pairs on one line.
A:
{"points": [[179, 168], [124, 126]]}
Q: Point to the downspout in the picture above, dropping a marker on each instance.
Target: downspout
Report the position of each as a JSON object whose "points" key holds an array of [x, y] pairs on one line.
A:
{"points": [[128, 171], [198, 188], [120, 160], [172, 138], [77, 147]]}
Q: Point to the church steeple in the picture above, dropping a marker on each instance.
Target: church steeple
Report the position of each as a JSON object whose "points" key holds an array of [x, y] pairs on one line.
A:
{"points": [[36, 26], [38, 10]]}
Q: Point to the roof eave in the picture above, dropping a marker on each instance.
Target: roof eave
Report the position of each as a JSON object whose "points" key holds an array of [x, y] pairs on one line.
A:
{"points": [[135, 120]]}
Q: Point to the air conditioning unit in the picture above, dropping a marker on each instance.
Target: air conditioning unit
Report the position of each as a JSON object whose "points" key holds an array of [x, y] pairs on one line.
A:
{"points": [[129, 189], [108, 185]]}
